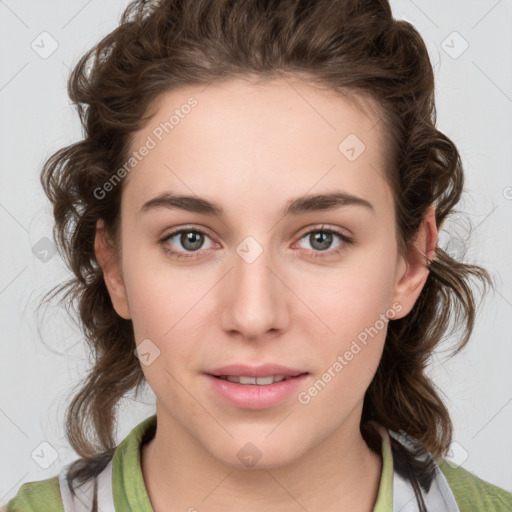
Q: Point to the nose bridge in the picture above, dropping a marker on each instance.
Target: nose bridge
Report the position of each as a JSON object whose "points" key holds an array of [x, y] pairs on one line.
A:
{"points": [[254, 295], [252, 273]]}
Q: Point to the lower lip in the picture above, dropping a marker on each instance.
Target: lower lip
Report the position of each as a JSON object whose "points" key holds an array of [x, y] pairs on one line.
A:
{"points": [[254, 396]]}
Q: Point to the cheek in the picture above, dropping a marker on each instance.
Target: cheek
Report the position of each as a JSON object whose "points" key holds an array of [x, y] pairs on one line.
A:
{"points": [[169, 321], [349, 299], [158, 295], [163, 323], [166, 307], [349, 325], [348, 352]]}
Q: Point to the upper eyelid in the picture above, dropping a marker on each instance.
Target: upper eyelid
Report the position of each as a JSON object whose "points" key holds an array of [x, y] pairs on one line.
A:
{"points": [[175, 232]]}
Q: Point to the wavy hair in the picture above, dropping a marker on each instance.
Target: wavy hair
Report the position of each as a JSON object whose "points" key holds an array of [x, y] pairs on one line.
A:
{"points": [[352, 47]]}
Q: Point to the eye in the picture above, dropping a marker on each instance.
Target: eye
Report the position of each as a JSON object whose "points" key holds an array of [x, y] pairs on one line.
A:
{"points": [[321, 239], [190, 239]]}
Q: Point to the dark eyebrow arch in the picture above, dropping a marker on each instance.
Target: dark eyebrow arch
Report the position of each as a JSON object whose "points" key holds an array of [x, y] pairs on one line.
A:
{"points": [[294, 207]]}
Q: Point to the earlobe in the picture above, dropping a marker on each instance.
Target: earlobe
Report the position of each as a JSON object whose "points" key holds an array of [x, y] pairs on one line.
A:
{"points": [[108, 260], [412, 270]]}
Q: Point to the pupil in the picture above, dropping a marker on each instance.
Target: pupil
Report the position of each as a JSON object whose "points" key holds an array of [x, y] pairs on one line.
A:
{"points": [[187, 240]]}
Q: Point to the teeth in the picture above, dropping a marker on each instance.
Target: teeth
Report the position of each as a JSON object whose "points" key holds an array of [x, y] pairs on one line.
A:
{"points": [[261, 381]]}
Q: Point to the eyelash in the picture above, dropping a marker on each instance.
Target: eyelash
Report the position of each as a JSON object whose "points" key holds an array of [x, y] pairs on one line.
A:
{"points": [[316, 254]]}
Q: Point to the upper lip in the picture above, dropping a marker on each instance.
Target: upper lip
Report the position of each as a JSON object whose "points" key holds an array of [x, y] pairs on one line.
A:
{"points": [[264, 370]]}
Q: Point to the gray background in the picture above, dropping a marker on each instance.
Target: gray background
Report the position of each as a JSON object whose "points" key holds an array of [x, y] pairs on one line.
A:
{"points": [[42, 354]]}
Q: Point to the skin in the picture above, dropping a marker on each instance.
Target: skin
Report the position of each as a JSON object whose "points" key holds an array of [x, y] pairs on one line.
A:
{"points": [[251, 148]]}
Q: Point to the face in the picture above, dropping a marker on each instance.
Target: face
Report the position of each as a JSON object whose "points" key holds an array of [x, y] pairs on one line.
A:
{"points": [[273, 280]]}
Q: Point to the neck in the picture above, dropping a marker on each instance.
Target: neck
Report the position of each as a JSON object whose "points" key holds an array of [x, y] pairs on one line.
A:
{"points": [[340, 473]]}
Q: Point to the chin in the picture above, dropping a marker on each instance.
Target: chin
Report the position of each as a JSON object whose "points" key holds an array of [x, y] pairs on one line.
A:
{"points": [[256, 452]]}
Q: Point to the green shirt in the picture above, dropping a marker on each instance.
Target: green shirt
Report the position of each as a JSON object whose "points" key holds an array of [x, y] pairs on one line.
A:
{"points": [[129, 491]]}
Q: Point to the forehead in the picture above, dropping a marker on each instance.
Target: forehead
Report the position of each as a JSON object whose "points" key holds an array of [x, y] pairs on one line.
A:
{"points": [[244, 137]]}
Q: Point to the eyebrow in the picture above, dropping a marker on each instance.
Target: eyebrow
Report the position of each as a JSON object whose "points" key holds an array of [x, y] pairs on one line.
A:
{"points": [[296, 206]]}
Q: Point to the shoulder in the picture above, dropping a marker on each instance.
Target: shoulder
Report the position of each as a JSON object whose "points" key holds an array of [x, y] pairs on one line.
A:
{"points": [[43, 495], [474, 494]]}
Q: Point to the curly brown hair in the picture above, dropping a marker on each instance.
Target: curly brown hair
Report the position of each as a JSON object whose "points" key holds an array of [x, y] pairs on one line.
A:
{"points": [[353, 47]]}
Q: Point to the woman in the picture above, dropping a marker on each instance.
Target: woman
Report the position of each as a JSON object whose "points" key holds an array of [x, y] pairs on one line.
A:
{"points": [[252, 222]]}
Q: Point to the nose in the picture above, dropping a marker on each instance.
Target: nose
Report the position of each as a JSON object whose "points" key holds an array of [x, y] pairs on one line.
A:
{"points": [[255, 298]]}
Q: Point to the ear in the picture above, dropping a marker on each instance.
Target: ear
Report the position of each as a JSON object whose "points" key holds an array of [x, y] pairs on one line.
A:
{"points": [[108, 261], [412, 271]]}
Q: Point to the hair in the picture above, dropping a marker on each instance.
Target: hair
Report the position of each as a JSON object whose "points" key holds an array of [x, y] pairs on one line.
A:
{"points": [[354, 48]]}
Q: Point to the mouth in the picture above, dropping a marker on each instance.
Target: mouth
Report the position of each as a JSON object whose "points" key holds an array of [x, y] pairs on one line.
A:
{"points": [[255, 392], [260, 381]]}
